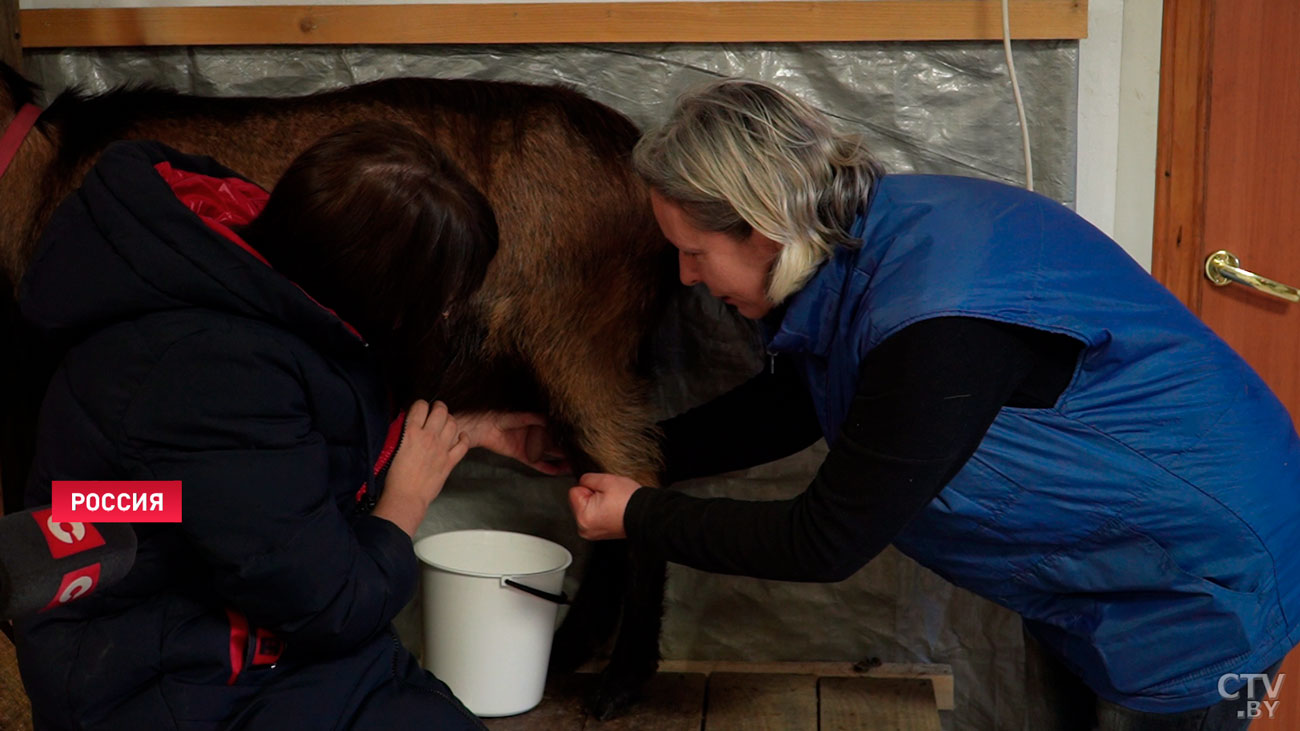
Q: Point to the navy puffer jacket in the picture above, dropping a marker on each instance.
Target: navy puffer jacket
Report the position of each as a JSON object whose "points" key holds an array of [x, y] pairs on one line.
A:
{"points": [[193, 360]]}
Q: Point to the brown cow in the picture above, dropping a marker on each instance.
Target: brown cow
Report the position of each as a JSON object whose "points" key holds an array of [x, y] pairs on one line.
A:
{"points": [[558, 325]]}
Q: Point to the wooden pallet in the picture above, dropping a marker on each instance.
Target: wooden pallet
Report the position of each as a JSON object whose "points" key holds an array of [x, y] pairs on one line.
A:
{"points": [[15, 712], [687, 696]]}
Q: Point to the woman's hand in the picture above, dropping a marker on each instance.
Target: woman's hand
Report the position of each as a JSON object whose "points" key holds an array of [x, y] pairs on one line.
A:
{"points": [[519, 435], [432, 444], [599, 501]]}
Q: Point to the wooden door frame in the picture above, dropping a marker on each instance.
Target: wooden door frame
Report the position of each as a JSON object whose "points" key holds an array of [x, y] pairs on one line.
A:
{"points": [[1178, 244], [1181, 153], [11, 49], [11, 52]]}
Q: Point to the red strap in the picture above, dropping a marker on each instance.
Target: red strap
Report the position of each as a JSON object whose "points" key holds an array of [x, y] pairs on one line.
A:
{"points": [[15, 133]]}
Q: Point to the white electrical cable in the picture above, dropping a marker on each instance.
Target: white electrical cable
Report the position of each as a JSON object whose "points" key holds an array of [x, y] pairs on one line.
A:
{"points": [[1015, 89]]}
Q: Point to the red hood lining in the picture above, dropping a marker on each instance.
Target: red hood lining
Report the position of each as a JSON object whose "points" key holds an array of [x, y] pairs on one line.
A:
{"points": [[225, 202]]}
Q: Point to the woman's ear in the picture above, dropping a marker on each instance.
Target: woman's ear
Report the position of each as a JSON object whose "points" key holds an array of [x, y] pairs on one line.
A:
{"points": [[768, 248]]}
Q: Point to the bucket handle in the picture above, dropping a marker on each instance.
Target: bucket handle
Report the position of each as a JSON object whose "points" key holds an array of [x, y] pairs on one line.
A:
{"points": [[560, 598]]}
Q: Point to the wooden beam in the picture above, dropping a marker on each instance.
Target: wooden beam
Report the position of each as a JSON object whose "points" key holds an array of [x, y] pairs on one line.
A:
{"points": [[572, 22], [886, 703], [11, 47]]}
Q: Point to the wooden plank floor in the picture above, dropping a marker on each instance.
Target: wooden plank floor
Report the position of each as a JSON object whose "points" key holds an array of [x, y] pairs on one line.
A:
{"points": [[15, 712], [744, 701]]}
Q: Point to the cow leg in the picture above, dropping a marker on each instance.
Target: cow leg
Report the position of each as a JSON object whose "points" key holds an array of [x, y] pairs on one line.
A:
{"points": [[616, 577], [593, 615], [635, 658], [611, 424]]}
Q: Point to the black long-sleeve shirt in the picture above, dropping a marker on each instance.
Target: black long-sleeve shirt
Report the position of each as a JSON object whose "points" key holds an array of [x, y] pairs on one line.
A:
{"points": [[925, 398]]}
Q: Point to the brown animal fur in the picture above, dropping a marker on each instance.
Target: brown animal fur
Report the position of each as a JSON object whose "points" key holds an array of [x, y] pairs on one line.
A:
{"points": [[566, 304], [576, 279]]}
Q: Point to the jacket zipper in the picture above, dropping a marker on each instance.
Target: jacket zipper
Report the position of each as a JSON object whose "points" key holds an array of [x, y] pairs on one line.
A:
{"points": [[369, 495], [382, 474]]}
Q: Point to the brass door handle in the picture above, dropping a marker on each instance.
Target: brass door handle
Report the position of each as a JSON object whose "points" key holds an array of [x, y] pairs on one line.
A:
{"points": [[1222, 268]]}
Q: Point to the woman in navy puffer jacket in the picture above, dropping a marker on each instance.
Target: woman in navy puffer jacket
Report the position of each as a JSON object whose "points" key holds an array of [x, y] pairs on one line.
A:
{"points": [[216, 346]]}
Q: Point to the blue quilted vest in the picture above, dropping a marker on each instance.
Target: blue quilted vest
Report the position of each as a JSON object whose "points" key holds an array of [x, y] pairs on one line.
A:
{"points": [[1148, 526]]}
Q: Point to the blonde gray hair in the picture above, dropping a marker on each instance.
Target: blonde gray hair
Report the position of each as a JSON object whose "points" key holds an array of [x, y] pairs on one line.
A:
{"points": [[740, 156]]}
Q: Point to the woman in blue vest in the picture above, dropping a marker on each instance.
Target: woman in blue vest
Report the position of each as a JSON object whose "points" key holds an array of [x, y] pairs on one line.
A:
{"points": [[1008, 398]]}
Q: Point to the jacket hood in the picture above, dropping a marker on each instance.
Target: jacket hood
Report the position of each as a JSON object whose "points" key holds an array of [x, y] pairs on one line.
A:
{"points": [[149, 230]]}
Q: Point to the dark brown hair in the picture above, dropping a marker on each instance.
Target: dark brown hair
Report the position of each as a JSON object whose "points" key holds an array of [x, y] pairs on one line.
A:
{"points": [[377, 224]]}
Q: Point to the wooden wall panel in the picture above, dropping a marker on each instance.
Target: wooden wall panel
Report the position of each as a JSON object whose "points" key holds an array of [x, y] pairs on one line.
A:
{"points": [[575, 22]]}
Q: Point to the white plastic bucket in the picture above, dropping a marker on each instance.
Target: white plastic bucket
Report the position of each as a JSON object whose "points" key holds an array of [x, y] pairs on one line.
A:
{"points": [[486, 635]]}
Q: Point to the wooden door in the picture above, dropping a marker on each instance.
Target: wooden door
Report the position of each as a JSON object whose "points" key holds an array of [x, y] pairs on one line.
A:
{"points": [[1229, 178], [11, 50]]}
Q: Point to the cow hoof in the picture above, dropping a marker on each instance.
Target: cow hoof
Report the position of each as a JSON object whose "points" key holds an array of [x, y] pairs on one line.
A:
{"points": [[610, 698]]}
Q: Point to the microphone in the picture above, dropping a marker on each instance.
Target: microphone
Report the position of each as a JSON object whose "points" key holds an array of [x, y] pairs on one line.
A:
{"points": [[45, 563]]}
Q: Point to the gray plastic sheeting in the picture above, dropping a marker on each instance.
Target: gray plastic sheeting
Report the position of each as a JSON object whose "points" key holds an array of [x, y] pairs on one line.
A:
{"points": [[933, 107]]}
